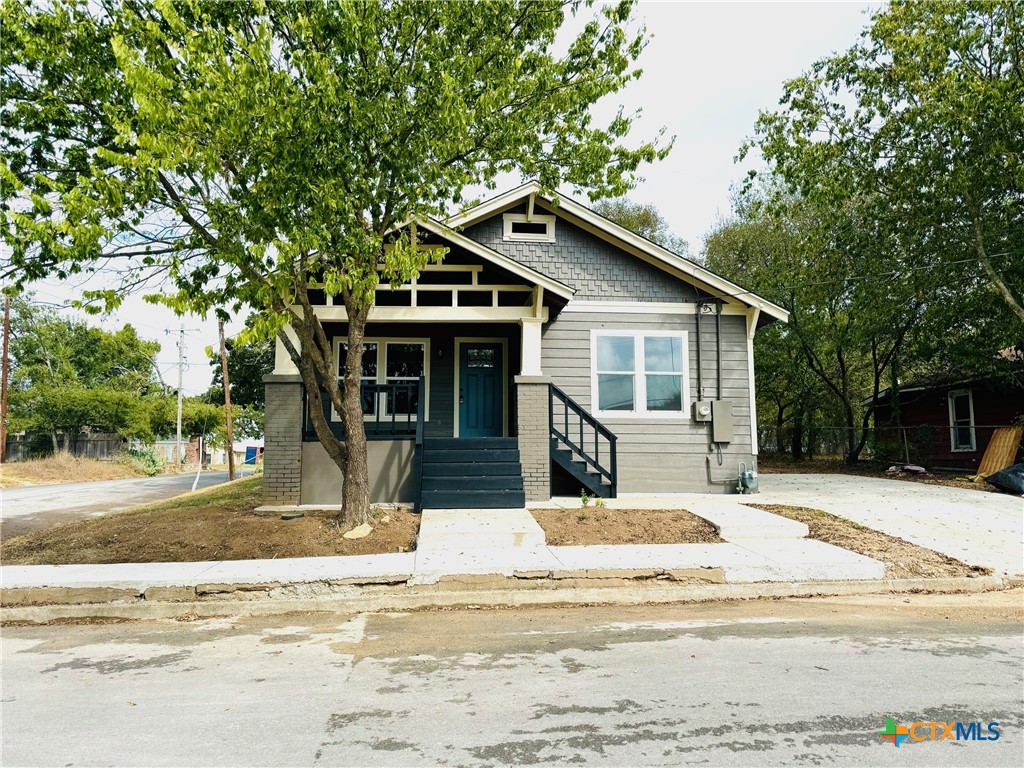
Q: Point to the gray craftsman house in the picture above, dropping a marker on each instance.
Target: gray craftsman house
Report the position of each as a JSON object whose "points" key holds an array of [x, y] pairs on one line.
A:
{"points": [[553, 351]]}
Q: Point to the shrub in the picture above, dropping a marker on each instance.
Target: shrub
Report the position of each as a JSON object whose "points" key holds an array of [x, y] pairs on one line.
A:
{"points": [[146, 459]]}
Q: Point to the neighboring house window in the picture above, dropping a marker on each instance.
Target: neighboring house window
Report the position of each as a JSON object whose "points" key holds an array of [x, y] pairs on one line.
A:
{"points": [[389, 361], [961, 421], [535, 229], [639, 373]]}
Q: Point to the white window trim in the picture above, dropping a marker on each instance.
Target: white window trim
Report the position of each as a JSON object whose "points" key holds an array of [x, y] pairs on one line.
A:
{"points": [[382, 374], [950, 398], [523, 237], [640, 378]]}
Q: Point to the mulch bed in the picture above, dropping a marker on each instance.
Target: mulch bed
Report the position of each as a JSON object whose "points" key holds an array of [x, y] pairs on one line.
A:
{"points": [[600, 525], [902, 559]]}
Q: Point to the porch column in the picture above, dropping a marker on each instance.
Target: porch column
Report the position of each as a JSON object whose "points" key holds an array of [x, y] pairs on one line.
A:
{"points": [[531, 346], [534, 434], [282, 458], [282, 360]]}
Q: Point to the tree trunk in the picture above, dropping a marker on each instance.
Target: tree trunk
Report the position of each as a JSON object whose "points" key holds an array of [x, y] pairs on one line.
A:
{"points": [[356, 486], [53, 439], [780, 444], [798, 436]]}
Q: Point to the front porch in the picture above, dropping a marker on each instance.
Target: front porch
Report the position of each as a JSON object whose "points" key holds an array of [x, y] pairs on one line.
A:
{"points": [[455, 355], [450, 420]]}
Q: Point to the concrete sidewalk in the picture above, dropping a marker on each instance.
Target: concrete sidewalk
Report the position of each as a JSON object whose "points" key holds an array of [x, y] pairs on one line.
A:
{"points": [[976, 527], [457, 543]]}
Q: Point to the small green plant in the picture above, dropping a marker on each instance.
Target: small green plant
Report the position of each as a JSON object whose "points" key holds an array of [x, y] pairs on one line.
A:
{"points": [[581, 515], [146, 459], [584, 498], [599, 502]]}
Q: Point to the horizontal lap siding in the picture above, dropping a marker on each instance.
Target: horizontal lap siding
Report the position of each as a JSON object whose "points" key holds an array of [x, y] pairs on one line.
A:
{"points": [[660, 455]]}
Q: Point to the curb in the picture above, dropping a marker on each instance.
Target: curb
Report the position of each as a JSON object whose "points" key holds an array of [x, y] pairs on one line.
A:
{"points": [[490, 592]]}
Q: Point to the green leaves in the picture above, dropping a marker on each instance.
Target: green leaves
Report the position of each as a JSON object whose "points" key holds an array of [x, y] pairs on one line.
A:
{"points": [[184, 135], [926, 115]]}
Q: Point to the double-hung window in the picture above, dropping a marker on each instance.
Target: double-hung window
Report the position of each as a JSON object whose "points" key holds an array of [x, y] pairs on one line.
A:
{"points": [[368, 374], [961, 421], [389, 361], [639, 373]]}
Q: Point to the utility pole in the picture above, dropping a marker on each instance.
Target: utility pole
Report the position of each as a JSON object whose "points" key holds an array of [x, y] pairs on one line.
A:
{"points": [[3, 385], [227, 399], [178, 456]]}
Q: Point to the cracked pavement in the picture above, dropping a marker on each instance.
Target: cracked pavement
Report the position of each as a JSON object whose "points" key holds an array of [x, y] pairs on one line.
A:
{"points": [[797, 682]]}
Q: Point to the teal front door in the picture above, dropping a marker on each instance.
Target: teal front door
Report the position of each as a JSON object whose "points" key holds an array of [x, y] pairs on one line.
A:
{"points": [[481, 404]]}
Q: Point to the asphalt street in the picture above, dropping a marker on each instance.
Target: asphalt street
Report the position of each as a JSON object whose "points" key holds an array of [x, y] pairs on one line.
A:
{"points": [[795, 682], [30, 508]]}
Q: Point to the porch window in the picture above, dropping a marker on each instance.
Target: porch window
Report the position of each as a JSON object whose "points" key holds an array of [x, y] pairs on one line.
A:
{"points": [[406, 362], [637, 373], [368, 375], [389, 361], [961, 421]]}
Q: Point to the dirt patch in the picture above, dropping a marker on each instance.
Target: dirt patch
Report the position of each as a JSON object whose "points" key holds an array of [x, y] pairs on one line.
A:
{"points": [[62, 466], [600, 525], [780, 466], [902, 559], [214, 524]]}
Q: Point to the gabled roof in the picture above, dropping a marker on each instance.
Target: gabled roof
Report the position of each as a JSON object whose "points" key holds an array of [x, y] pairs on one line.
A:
{"points": [[628, 241], [549, 284]]}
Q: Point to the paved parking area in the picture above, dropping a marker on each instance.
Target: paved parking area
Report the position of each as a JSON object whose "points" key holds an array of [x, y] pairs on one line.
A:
{"points": [[976, 527]]}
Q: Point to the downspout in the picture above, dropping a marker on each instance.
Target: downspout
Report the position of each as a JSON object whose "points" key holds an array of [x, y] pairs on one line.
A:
{"points": [[718, 348], [700, 381]]}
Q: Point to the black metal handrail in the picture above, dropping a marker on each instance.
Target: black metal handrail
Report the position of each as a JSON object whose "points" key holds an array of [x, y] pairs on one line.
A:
{"points": [[386, 411], [420, 413], [572, 417]]}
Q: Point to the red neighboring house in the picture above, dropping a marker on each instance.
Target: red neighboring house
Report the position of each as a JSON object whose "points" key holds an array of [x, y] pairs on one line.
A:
{"points": [[948, 424]]}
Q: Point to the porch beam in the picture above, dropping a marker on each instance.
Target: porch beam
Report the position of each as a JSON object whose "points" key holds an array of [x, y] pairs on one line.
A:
{"points": [[438, 314]]}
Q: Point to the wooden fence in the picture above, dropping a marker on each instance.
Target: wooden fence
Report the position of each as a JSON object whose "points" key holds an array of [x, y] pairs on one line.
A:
{"points": [[94, 445]]}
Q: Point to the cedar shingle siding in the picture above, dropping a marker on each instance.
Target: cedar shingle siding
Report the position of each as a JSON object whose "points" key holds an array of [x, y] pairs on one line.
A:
{"points": [[596, 269]]}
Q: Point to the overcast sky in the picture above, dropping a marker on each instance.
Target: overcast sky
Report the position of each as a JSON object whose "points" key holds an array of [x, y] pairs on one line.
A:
{"points": [[708, 71]]}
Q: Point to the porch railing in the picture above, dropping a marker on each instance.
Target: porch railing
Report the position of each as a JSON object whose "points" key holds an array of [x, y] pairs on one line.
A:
{"points": [[575, 429], [391, 411]]}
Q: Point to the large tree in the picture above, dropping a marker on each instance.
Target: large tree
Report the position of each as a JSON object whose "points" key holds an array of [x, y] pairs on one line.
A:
{"points": [[925, 114], [68, 377], [643, 218], [246, 151], [853, 293]]}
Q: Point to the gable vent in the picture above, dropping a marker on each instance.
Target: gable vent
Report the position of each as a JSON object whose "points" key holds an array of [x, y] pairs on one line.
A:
{"points": [[533, 229]]}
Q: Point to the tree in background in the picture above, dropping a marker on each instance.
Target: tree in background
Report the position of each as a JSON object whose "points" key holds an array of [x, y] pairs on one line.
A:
{"points": [[67, 377], [251, 152], [924, 115], [852, 291], [644, 219]]}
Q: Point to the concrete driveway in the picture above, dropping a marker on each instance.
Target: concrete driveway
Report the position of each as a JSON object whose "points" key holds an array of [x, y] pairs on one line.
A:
{"points": [[34, 507], [976, 527]]}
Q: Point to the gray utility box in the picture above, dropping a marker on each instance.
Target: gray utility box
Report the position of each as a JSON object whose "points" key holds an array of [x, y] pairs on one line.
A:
{"points": [[721, 421], [702, 410]]}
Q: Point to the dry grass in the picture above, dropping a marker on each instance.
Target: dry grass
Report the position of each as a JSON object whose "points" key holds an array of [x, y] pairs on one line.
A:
{"points": [[64, 467], [216, 523], [600, 525], [903, 560]]}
